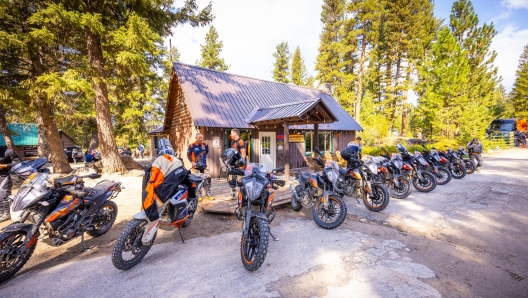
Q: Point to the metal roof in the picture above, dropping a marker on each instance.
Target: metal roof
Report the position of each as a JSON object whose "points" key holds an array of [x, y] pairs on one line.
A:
{"points": [[219, 99], [22, 134], [294, 113], [158, 130]]}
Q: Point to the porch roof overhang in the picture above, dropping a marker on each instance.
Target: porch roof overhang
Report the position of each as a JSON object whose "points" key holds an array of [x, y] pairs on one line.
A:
{"points": [[303, 112], [158, 131]]}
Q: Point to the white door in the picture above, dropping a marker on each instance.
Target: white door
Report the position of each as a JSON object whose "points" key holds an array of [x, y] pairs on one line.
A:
{"points": [[267, 150]]}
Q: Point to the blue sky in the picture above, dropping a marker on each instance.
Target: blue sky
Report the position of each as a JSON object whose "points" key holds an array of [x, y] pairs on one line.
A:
{"points": [[250, 30]]}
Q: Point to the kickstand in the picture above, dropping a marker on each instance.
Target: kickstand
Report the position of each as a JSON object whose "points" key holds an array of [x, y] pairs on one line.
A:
{"points": [[179, 230], [274, 239], [85, 249]]}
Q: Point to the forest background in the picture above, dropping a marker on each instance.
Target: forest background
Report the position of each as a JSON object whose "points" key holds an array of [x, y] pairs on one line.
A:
{"points": [[99, 70]]}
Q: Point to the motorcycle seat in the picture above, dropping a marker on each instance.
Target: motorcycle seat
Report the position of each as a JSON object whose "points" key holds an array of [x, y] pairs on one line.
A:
{"points": [[342, 171], [194, 179], [65, 180], [98, 190]]}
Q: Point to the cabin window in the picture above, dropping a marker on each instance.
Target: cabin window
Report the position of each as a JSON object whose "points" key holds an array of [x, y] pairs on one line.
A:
{"points": [[325, 142]]}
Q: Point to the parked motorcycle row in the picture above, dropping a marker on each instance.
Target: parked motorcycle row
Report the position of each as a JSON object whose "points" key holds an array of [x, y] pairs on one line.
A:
{"points": [[59, 211]]}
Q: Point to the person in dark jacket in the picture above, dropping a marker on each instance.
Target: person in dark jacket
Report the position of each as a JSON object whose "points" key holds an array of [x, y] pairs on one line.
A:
{"points": [[475, 152], [9, 160], [197, 155], [240, 146]]}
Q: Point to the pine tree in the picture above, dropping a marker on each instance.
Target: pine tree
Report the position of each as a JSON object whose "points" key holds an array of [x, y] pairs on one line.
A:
{"points": [[281, 71], [298, 69], [519, 94], [476, 42], [332, 17], [123, 46], [210, 57]]}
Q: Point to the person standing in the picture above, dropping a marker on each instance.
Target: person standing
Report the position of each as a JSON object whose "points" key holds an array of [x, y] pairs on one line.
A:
{"points": [[9, 160], [238, 144], [197, 155], [141, 149], [475, 152]]}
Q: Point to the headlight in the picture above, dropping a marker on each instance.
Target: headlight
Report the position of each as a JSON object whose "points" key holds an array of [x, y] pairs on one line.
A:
{"points": [[332, 175], [32, 190], [253, 188], [372, 167]]}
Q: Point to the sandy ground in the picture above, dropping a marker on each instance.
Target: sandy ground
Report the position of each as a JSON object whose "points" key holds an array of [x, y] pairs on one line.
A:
{"points": [[465, 239]]}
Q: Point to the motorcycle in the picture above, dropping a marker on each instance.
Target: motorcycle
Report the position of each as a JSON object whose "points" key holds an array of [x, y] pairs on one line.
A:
{"points": [[519, 139], [422, 180], [360, 179], [60, 211], [320, 192], [136, 239], [453, 163], [390, 174], [470, 165], [443, 175], [255, 209]]}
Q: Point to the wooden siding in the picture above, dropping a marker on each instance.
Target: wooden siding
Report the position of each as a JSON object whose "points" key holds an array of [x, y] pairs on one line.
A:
{"points": [[66, 140], [341, 140]]}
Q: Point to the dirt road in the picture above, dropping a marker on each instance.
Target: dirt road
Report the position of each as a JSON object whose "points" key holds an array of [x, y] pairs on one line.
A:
{"points": [[465, 239]]}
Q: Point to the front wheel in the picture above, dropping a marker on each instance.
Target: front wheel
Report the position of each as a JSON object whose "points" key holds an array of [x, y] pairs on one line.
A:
{"points": [[330, 216], [443, 176], [129, 250], [105, 218], [458, 171], [402, 191], [296, 205], [253, 250], [378, 199], [428, 183], [11, 261]]}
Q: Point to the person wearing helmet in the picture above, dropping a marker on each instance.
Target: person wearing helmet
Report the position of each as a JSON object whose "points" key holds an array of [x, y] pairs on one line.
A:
{"points": [[233, 159], [358, 143], [475, 152], [197, 155], [238, 144], [9, 160]]}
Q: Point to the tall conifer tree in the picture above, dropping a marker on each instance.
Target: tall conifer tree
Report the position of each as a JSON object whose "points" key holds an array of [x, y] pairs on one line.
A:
{"points": [[519, 94], [281, 66], [210, 57], [298, 69]]}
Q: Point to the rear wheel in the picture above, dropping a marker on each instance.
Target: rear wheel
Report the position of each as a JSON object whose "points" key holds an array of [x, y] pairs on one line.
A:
{"points": [[470, 166], [378, 199], [443, 176], [296, 205], [253, 250], [427, 184], [458, 171], [401, 191], [10, 260], [331, 216], [129, 250], [106, 216]]}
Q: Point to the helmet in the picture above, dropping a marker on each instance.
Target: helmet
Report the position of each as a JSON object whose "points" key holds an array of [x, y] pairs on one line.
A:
{"points": [[164, 147], [351, 151], [401, 148], [232, 158], [200, 166]]}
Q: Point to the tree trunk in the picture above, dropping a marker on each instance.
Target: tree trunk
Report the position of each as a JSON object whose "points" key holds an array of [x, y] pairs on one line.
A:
{"points": [[43, 144], [112, 162], [404, 107], [58, 157], [94, 141], [357, 108], [6, 132]]}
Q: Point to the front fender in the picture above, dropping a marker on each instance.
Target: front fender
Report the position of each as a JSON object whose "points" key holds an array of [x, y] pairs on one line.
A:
{"points": [[259, 215], [141, 215], [18, 226]]}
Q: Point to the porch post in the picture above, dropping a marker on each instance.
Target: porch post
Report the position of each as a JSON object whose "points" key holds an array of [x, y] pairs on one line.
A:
{"points": [[286, 152], [316, 136]]}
